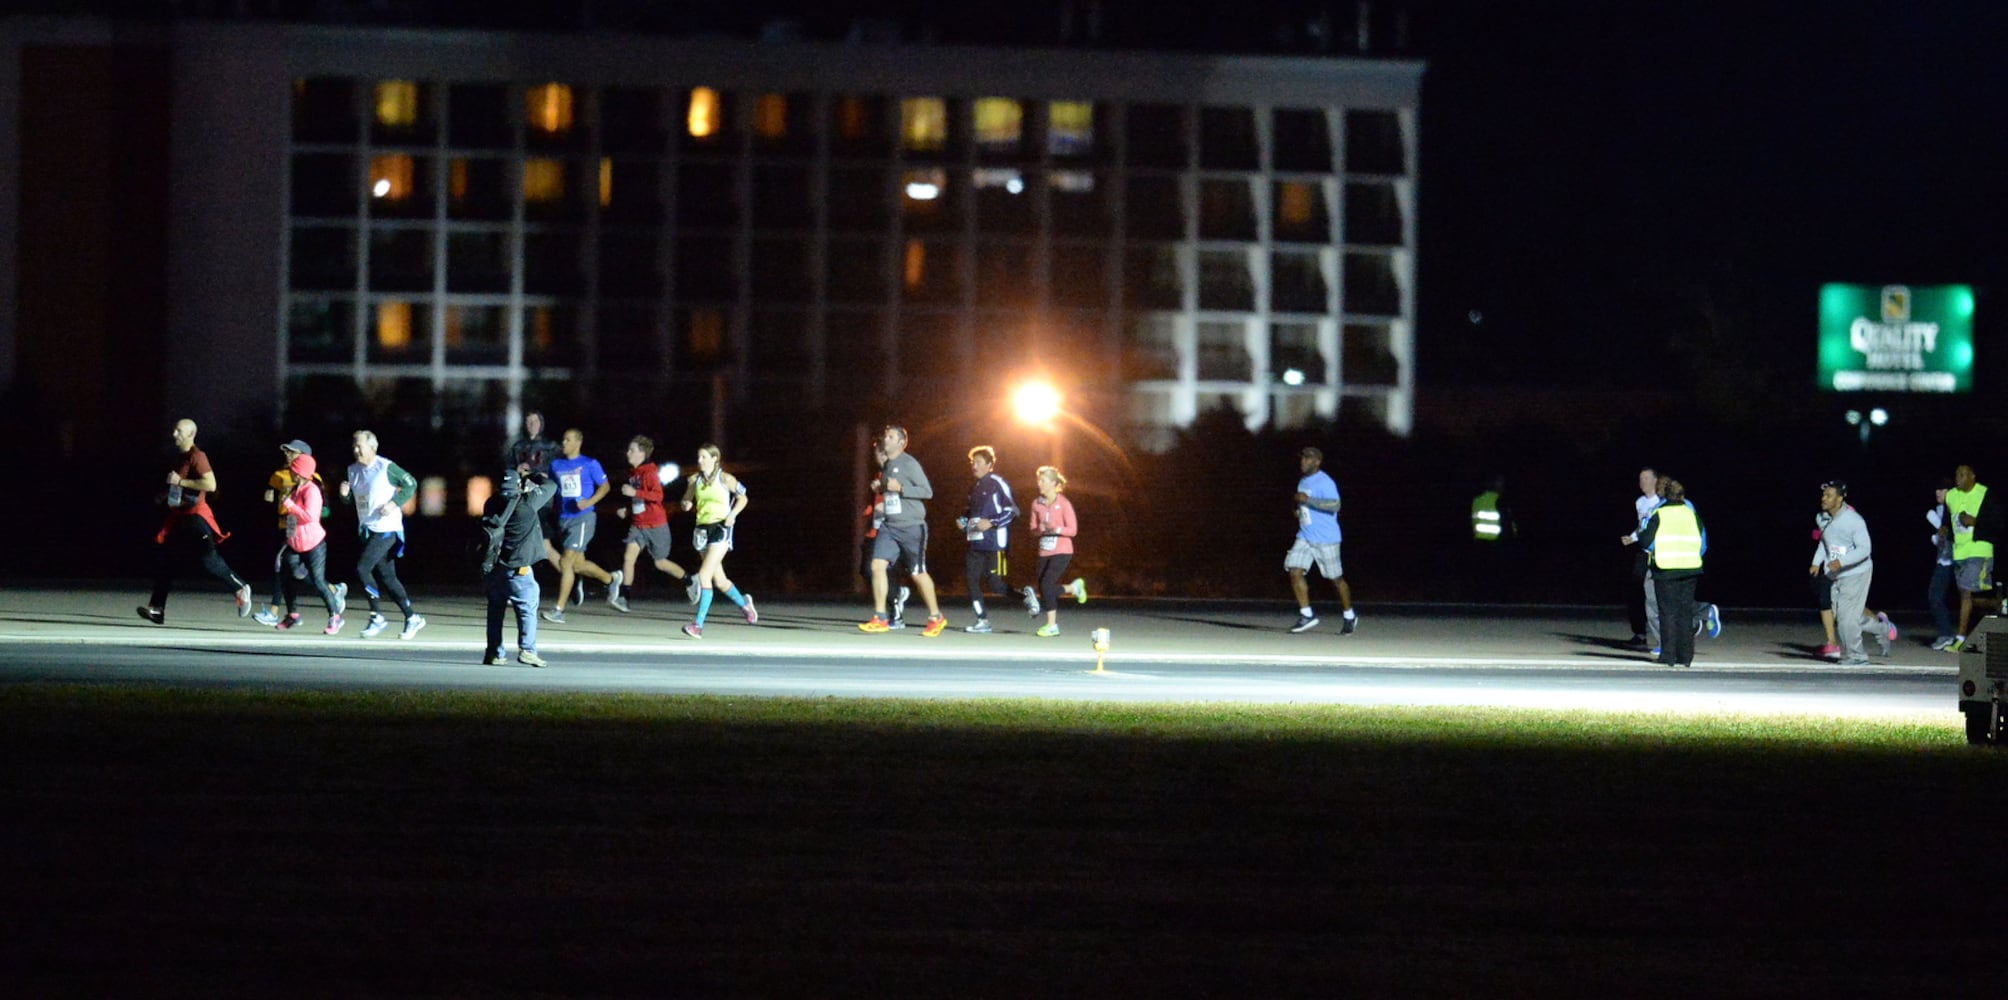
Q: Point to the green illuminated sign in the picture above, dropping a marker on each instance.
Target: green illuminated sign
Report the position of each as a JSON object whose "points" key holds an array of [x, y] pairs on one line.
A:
{"points": [[1896, 338]]}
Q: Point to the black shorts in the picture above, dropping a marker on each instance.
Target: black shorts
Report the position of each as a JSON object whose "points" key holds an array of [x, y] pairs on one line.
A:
{"points": [[906, 542], [1823, 592]]}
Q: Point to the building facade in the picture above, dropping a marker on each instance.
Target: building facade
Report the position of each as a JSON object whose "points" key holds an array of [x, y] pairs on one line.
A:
{"points": [[461, 221]]}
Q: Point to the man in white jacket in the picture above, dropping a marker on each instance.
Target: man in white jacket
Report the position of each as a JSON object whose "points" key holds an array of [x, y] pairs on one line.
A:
{"points": [[1845, 553]]}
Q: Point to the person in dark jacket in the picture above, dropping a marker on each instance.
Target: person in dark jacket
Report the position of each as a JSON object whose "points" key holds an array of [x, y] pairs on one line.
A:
{"points": [[514, 521]]}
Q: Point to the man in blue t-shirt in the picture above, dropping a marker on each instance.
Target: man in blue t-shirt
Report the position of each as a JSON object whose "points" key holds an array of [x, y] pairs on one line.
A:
{"points": [[1317, 542], [582, 483]]}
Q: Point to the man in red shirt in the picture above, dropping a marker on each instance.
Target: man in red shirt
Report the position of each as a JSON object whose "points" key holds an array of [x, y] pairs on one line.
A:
{"points": [[189, 531], [648, 523]]}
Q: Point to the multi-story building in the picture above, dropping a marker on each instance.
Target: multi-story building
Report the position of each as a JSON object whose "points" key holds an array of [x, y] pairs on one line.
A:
{"points": [[463, 221]]}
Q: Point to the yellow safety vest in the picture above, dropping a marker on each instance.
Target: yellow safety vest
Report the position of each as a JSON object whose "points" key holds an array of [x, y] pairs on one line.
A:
{"points": [[1957, 503], [1486, 525], [1677, 543]]}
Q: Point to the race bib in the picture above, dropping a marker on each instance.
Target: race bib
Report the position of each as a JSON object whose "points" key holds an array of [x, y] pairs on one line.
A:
{"points": [[892, 504], [1049, 543], [638, 506], [568, 485], [975, 533]]}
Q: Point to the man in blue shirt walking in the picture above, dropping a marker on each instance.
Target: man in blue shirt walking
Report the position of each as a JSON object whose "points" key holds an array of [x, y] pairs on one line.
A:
{"points": [[1317, 542]]}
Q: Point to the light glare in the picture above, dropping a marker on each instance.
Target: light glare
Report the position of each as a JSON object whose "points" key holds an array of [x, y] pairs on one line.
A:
{"points": [[1036, 402]]}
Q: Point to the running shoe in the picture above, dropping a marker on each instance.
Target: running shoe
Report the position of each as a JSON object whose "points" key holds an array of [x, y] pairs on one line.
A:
{"points": [[614, 592], [694, 630], [875, 624], [1079, 588], [341, 598], [1349, 624], [411, 626], [1889, 627], [620, 603], [244, 601], [934, 626], [529, 658], [1861, 661], [578, 592], [1654, 655], [1830, 651], [1048, 631], [154, 615], [290, 621], [491, 659], [1942, 643], [334, 625], [692, 589], [899, 602], [1958, 645], [981, 627], [752, 616], [1305, 623], [267, 617], [896, 624], [1714, 622], [1031, 600], [555, 616], [375, 626]]}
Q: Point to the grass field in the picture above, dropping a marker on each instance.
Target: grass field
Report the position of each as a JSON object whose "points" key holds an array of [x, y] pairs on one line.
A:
{"points": [[175, 841]]}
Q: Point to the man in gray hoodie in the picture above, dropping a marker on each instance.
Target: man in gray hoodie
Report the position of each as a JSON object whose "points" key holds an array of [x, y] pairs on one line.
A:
{"points": [[1845, 552]]}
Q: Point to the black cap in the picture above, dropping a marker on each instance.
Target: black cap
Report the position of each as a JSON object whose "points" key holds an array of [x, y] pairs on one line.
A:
{"points": [[1837, 485]]}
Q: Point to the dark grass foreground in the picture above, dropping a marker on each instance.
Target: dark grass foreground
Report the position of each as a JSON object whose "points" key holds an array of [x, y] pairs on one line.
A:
{"points": [[174, 842]]}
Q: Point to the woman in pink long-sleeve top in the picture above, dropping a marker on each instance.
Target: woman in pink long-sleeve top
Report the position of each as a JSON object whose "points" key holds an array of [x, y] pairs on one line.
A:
{"points": [[1054, 525], [306, 546]]}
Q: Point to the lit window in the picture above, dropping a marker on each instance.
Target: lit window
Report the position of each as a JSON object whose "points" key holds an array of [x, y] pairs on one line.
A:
{"points": [[550, 108], [543, 180], [770, 116], [707, 333], [915, 263], [479, 489], [1071, 128], [455, 333], [606, 182], [1010, 180], [925, 185], [397, 103], [1295, 203], [1073, 181], [853, 119], [923, 124], [432, 496], [703, 119], [456, 179], [393, 332], [540, 329], [390, 177], [1000, 121]]}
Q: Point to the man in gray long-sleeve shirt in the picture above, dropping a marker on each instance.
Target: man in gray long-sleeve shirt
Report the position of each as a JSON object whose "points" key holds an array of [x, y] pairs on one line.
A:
{"points": [[1845, 552], [903, 536]]}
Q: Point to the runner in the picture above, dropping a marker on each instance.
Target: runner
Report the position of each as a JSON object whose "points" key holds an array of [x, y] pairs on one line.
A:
{"points": [[648, 524], [1317, 543], [189, 531], [717, 496], [1054, 525], [903, 535], [987, 527], [582, 483], [278, 489], [874, 518], [379, 490], [306, 554]]}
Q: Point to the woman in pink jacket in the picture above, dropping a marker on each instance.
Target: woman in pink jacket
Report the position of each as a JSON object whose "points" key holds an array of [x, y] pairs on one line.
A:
{"points": [[1053, 524], [306, 545]]}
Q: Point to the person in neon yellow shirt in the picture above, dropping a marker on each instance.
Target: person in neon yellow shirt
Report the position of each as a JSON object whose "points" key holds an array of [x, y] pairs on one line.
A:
{"points": [[1973, 525]]}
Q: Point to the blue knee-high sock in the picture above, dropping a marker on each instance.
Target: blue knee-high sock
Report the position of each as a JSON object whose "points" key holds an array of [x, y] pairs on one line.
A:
{"points": [[732, 594], [703, 605]]}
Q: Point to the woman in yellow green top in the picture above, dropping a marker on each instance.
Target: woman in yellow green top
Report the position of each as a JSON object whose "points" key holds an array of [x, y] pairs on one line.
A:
{"points": [[717, 496]]}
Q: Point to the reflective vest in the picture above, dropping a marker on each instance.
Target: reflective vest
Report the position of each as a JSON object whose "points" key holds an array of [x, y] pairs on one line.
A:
{"points": [[1677, 543], [1957, 503], [1486, 525]]}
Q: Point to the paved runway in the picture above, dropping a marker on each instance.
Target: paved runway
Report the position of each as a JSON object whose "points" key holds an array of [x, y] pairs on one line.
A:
{"points": [[1162, 652]]}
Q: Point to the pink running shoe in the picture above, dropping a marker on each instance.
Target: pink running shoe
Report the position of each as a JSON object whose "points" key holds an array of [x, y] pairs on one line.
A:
{"points": [[752, 616], [335, 624], [1830, 651], [694, 631]]}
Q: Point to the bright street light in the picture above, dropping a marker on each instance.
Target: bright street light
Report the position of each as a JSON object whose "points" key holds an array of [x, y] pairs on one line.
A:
{"points": [[1036, 403], [1878, 416]]}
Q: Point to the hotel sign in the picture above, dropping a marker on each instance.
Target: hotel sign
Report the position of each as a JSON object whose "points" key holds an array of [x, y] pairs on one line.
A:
{"points": [[1896, 338]]}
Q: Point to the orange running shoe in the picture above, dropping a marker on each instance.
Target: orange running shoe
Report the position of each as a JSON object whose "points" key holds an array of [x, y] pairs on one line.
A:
{"points": [[876, 624], [934, 626]]}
